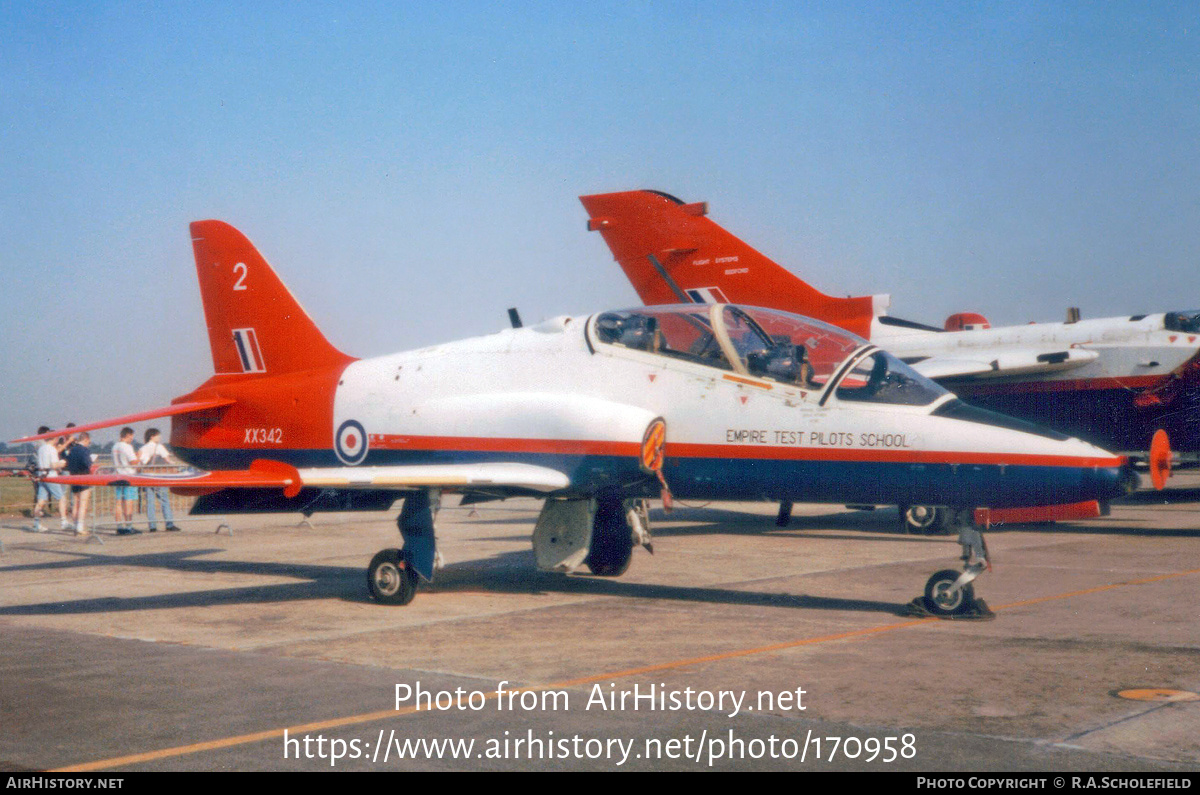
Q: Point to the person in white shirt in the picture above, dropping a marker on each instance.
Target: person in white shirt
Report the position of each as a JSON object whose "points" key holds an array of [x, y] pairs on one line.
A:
{"points": [[49, 463], [155, 453], [125, 462]]}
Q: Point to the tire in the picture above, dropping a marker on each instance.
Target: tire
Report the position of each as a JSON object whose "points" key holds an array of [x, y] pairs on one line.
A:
{"points": [[936, 599], [923, 519], [612, 540], [390, 580]]}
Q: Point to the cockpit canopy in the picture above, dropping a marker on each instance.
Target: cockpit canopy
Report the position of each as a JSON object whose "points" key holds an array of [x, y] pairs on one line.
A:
{"points": [[1187, 322], [769, 344]]}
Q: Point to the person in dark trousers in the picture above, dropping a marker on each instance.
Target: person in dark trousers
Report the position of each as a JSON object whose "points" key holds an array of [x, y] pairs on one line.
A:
{"points": [[79, 462], [64, 448]]}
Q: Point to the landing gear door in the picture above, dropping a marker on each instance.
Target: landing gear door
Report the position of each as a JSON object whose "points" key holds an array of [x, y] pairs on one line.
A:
{"points": [[563, 534]]}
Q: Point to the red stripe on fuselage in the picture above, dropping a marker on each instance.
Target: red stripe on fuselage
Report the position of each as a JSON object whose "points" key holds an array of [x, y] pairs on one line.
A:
{"points": [[1130, 382], [504, 445]]}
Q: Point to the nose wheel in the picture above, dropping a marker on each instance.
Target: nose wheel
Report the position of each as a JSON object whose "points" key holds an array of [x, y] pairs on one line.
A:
{"points": [[949, 593], [944, 596]]}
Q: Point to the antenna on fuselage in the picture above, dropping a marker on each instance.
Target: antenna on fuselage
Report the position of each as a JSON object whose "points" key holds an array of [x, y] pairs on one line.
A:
{"points": [[514, 317]]}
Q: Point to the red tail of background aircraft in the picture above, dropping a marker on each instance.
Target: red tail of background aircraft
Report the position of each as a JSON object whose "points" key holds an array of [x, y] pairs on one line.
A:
{"points": [[662, 243]]}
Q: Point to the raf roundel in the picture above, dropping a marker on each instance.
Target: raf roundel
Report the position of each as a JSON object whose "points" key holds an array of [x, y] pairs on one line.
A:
{"points": [[350, 443]]}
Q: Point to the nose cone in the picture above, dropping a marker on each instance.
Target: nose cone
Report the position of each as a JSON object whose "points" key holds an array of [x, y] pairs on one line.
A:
{"points": [[1109, 482], [1075, 472], [1038, 466]]}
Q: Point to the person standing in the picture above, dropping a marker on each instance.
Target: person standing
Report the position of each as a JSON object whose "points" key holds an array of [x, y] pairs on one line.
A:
{"points": [[125, 462], [79, 462], [155, 453], [64, 447], [48, 464]]}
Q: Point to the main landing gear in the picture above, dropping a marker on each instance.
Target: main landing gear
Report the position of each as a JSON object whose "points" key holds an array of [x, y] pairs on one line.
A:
{"points": [[617, 528], [566, 532], [950, 593], [395, 574]]}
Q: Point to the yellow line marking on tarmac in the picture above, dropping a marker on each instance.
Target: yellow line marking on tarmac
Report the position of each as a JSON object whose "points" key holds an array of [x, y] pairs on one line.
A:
{"points": [[368, 717], [1097, 589]]}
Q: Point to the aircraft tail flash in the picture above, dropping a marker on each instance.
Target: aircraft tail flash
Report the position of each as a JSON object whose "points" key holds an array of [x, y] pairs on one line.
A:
{"points": [[255, 326], [673, 254]]}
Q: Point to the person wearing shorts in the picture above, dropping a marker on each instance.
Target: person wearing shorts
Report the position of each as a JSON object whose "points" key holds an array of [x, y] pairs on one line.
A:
{"points": [[125, 462], [48, 463]]}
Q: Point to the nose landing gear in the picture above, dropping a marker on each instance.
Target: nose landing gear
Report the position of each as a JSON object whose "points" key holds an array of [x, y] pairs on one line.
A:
{"points": [[949, 593]]}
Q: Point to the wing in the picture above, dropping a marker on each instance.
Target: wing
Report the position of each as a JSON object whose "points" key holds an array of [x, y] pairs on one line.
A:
{"points": [[1021, 361], [484, 475], [938, 367], [274, 474], [166, 411]]}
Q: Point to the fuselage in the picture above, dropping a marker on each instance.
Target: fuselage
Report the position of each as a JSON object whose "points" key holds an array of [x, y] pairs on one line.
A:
{"points": [[577, 395]]}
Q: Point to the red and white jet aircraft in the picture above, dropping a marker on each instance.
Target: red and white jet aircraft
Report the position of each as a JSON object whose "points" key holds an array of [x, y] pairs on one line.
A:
{"points": [[593, 414], [1115, 382]]}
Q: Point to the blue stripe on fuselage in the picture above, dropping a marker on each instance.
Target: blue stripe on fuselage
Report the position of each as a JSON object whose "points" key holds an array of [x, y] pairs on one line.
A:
{"points": [[883, 483]]}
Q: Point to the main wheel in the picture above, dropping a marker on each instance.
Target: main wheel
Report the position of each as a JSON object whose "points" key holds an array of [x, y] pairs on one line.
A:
{"points": [[612, 540], [940, 601], [923, 519], [390, 579]]}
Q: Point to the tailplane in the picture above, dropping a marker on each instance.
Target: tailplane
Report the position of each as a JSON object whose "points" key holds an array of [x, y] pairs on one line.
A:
{"points": [[673, 254], [255, 325]]}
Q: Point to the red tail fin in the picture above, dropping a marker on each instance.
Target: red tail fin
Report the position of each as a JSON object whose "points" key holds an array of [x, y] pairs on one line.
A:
{"points": [[671, 253], [255, 326]]}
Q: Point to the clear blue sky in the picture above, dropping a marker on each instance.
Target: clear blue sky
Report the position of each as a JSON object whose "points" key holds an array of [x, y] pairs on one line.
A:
{"points": [[411, 169]]}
